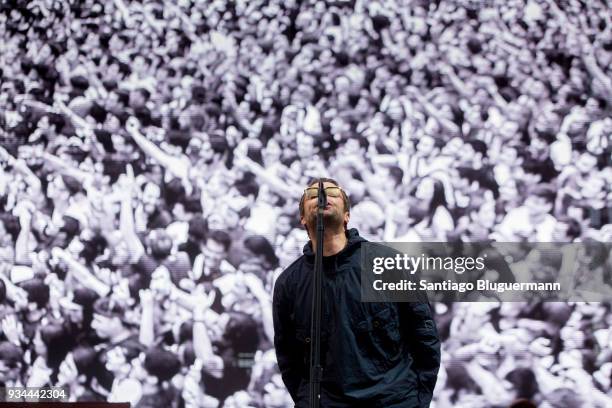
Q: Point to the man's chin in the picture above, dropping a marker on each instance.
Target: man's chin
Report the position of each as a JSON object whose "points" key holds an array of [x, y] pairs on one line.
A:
{"points": [[330, 220]]}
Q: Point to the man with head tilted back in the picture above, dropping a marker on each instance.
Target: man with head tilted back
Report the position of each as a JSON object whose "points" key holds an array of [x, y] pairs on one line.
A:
{"points": [[373, 354]]}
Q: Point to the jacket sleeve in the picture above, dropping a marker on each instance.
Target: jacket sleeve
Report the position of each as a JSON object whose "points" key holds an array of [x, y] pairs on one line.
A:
{"points": [[290, 361], [419, 328]]}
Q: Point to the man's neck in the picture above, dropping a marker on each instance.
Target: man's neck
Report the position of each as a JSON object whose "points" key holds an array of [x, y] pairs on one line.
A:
{"points": [[120, 336], [333, 241]]}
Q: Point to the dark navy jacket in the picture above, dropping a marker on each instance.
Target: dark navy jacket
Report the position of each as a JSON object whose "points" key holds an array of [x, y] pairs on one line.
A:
{"points": [[373, 354]]}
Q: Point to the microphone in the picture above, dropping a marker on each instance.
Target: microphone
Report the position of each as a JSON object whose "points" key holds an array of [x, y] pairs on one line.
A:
{"points": [[322, 197]]}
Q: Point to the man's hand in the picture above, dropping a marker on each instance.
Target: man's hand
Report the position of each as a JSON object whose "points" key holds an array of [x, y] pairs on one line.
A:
{"points": [[68, 372], [192, 393], [13, 330], [39, 374], [127, 181], [24, 210], [132, 125], [203, 302]]}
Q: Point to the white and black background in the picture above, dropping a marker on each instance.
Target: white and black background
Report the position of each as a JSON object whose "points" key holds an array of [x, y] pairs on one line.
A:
{"points": [[153, 154]]}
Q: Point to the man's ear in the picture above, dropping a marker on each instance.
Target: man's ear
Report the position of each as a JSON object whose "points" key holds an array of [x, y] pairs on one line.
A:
{"points": [[347, 217]]}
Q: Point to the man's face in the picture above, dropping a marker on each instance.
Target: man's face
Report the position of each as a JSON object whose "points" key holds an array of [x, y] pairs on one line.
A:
{"points": [[217, 186], [559, 233], [283, 225], [5, 238], [116, 362], [106, 327], [120, 253], [136, 99], [214, 253], [150, 195], [586, 163], [537, 205], [426, 145], [334, 213], [161, 282], [305, 146], [57, 190]]}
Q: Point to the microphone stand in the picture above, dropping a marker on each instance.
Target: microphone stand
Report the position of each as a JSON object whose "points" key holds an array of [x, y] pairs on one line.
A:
{"points": [[316, 371]]}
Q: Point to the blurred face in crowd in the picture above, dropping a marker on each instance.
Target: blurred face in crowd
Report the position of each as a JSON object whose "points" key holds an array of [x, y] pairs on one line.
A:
{"points": [[116, 44], [283, 225], [112, 101], [112, 123], [256, 264], [137, 99], [194, 148], [586, 163], [116, 362], [106, 327], [486, 214], [161, 282], [509, 156], [576, 77], [121, 146], [305, 146], [217, 186], [271, 153], [5, 237], [214, 252], [556, 78], [508, 191], [537, 205], [150, 197], [287, 251], [425, 190], [559, 233], [426, 145], [396, 111], [57, 190], [592, 108], [266, 104], [467, 154], [8, 372], [120, 253]]}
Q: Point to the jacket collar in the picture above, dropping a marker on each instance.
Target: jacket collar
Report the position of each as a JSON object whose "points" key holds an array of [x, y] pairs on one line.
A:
{"points": [[353, 240]]}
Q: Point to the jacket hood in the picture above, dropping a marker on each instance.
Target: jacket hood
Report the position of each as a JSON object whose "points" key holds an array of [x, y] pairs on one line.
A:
{"points": [[353, 239]]}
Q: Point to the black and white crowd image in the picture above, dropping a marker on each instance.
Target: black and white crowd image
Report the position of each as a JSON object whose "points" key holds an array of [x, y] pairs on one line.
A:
{"points": [[153, 154]]}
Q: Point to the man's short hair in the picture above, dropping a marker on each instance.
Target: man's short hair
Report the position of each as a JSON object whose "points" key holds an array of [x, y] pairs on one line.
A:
{"points": [[260, 245], [347, 202], [573, 226], [38, 292], [545, 191], [10, 354], [198, 227], [221, 237], [162, 364], [106, 307]]}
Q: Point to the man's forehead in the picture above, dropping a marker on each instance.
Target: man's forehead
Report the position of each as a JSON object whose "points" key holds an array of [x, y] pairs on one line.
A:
{"points": [[325, 184]]}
